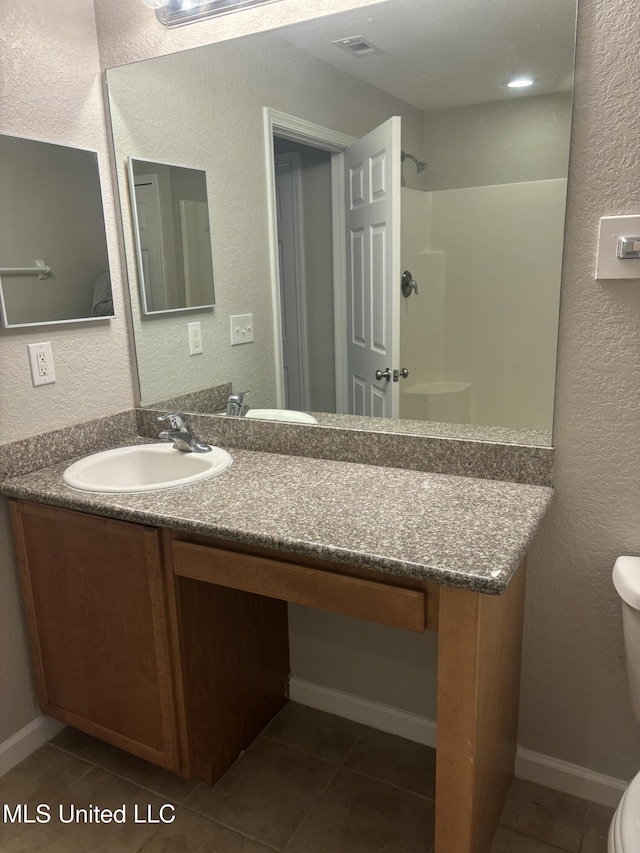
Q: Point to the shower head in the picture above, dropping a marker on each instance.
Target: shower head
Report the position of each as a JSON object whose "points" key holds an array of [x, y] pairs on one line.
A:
{"points": [[420, 164]]}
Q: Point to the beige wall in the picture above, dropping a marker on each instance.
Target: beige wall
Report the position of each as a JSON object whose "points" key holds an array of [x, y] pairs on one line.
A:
{"points": [[502, 142], [51, 90], [574, 694], [574, 702]]}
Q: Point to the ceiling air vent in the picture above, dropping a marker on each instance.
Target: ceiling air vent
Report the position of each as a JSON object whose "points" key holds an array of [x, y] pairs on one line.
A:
{"points": [[357, 46]]}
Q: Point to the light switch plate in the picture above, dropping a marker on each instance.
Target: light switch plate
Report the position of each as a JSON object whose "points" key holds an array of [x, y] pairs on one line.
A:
{"points": [[241, 329], [609, 265]]}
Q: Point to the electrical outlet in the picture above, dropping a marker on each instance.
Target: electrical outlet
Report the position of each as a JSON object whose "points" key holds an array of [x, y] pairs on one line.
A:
{"points": [[41, 364], [195, 338], [241, 329]]}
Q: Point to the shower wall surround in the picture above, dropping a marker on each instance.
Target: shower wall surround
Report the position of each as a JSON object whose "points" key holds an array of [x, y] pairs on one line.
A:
{"points": [[483, 312]]}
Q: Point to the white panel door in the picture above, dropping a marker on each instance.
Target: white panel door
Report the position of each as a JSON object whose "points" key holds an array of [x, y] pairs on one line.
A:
{"points": [[372, 216], [149, 214]]}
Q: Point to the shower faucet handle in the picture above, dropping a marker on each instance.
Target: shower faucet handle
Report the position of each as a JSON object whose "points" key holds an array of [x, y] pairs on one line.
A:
{"points": [[408, 284]]}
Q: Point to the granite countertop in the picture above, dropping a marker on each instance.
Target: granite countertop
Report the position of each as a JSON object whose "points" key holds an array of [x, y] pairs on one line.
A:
{"points": [[459, 531]]}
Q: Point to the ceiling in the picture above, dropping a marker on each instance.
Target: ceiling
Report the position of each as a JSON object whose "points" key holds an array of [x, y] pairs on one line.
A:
{"points": [[491, 41]]}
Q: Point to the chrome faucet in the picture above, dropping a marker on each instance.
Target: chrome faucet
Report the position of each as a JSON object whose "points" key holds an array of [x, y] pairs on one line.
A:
{"points": [[181, 434], [235, 406]]}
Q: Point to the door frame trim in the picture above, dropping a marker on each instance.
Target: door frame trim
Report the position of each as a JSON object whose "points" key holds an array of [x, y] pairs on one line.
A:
{"points": [[299, 130]]}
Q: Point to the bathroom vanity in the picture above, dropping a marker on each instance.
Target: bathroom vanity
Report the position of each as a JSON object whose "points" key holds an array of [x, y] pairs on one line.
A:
{"points": [[158, 621]]}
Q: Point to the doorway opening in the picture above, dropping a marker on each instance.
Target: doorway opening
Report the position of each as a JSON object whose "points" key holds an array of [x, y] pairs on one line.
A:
{"points": [[349, 189], [305, 256], [317, 380]]}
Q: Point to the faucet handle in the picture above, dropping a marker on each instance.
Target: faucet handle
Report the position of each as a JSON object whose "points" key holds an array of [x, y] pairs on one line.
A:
{"points": [[238, 397], [178, 420]]}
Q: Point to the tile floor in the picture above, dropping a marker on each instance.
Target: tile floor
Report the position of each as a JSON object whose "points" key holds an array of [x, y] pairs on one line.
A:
{"points": [[311, 783]]}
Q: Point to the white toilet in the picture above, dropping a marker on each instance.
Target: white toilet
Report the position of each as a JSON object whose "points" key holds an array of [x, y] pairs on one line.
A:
{"points": [[624, 832]]}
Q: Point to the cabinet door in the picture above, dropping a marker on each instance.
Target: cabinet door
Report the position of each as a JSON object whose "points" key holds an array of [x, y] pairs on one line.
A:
{"points": [[95, 606]]}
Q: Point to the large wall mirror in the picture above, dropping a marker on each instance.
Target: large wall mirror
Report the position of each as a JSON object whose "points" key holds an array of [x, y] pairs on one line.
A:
{"points": [[53, 250], [395, 144]]}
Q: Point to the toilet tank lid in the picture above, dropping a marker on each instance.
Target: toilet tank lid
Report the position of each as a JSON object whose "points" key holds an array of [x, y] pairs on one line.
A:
{"points": [[626, 579]]}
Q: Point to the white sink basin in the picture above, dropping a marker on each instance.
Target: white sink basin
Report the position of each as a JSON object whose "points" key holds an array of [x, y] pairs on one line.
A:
{"points": [[289, 415], [144, 468]]}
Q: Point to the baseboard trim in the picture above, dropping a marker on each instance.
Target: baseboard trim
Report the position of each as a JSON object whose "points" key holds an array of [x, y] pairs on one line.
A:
{"points": [[20, 745], [365, 711], [532, 766], [568, 778]]}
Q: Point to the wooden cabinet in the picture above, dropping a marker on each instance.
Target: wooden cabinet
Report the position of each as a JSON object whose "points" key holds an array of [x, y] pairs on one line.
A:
{"points": [[175, 647], [96, 612]]}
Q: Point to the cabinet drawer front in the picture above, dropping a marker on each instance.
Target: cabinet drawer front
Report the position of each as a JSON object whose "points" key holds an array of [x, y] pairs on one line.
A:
{"points": [[364, 599]]}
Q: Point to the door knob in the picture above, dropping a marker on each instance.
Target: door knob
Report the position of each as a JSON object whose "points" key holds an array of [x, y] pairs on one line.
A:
{"points": [[383, 374], [408, 284], [403, 373]]}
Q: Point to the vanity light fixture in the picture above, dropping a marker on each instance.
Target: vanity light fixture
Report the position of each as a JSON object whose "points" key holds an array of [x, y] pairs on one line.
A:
{"points": [[519, 82], [177, 13]]}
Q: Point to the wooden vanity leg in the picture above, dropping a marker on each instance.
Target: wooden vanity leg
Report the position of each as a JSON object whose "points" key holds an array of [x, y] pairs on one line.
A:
{"points": [[480, 645]]}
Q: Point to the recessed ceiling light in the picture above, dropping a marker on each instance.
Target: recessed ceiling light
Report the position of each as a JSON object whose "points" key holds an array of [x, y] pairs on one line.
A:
{"points": [[519, 82]]}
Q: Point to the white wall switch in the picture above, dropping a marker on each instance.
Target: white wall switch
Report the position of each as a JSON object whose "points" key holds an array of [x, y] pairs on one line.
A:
{"points": [[612, 245], [195, 338], [41, 363], [241, 329]]}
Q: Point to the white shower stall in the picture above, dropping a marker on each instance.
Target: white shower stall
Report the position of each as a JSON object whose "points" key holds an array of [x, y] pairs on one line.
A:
{"points": [[479, 337]]}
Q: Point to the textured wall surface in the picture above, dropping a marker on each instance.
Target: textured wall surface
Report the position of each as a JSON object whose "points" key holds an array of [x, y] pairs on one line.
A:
{"points": [[128, 32], [51, 90], [574, 696]]}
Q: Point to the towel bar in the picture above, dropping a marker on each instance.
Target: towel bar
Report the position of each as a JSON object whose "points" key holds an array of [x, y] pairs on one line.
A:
{"points": [[40, 269]]}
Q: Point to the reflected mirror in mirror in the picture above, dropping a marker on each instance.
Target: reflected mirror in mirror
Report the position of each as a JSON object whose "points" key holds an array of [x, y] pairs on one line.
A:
{"points": [[173, 240], [54, 266], [315, 146]]}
